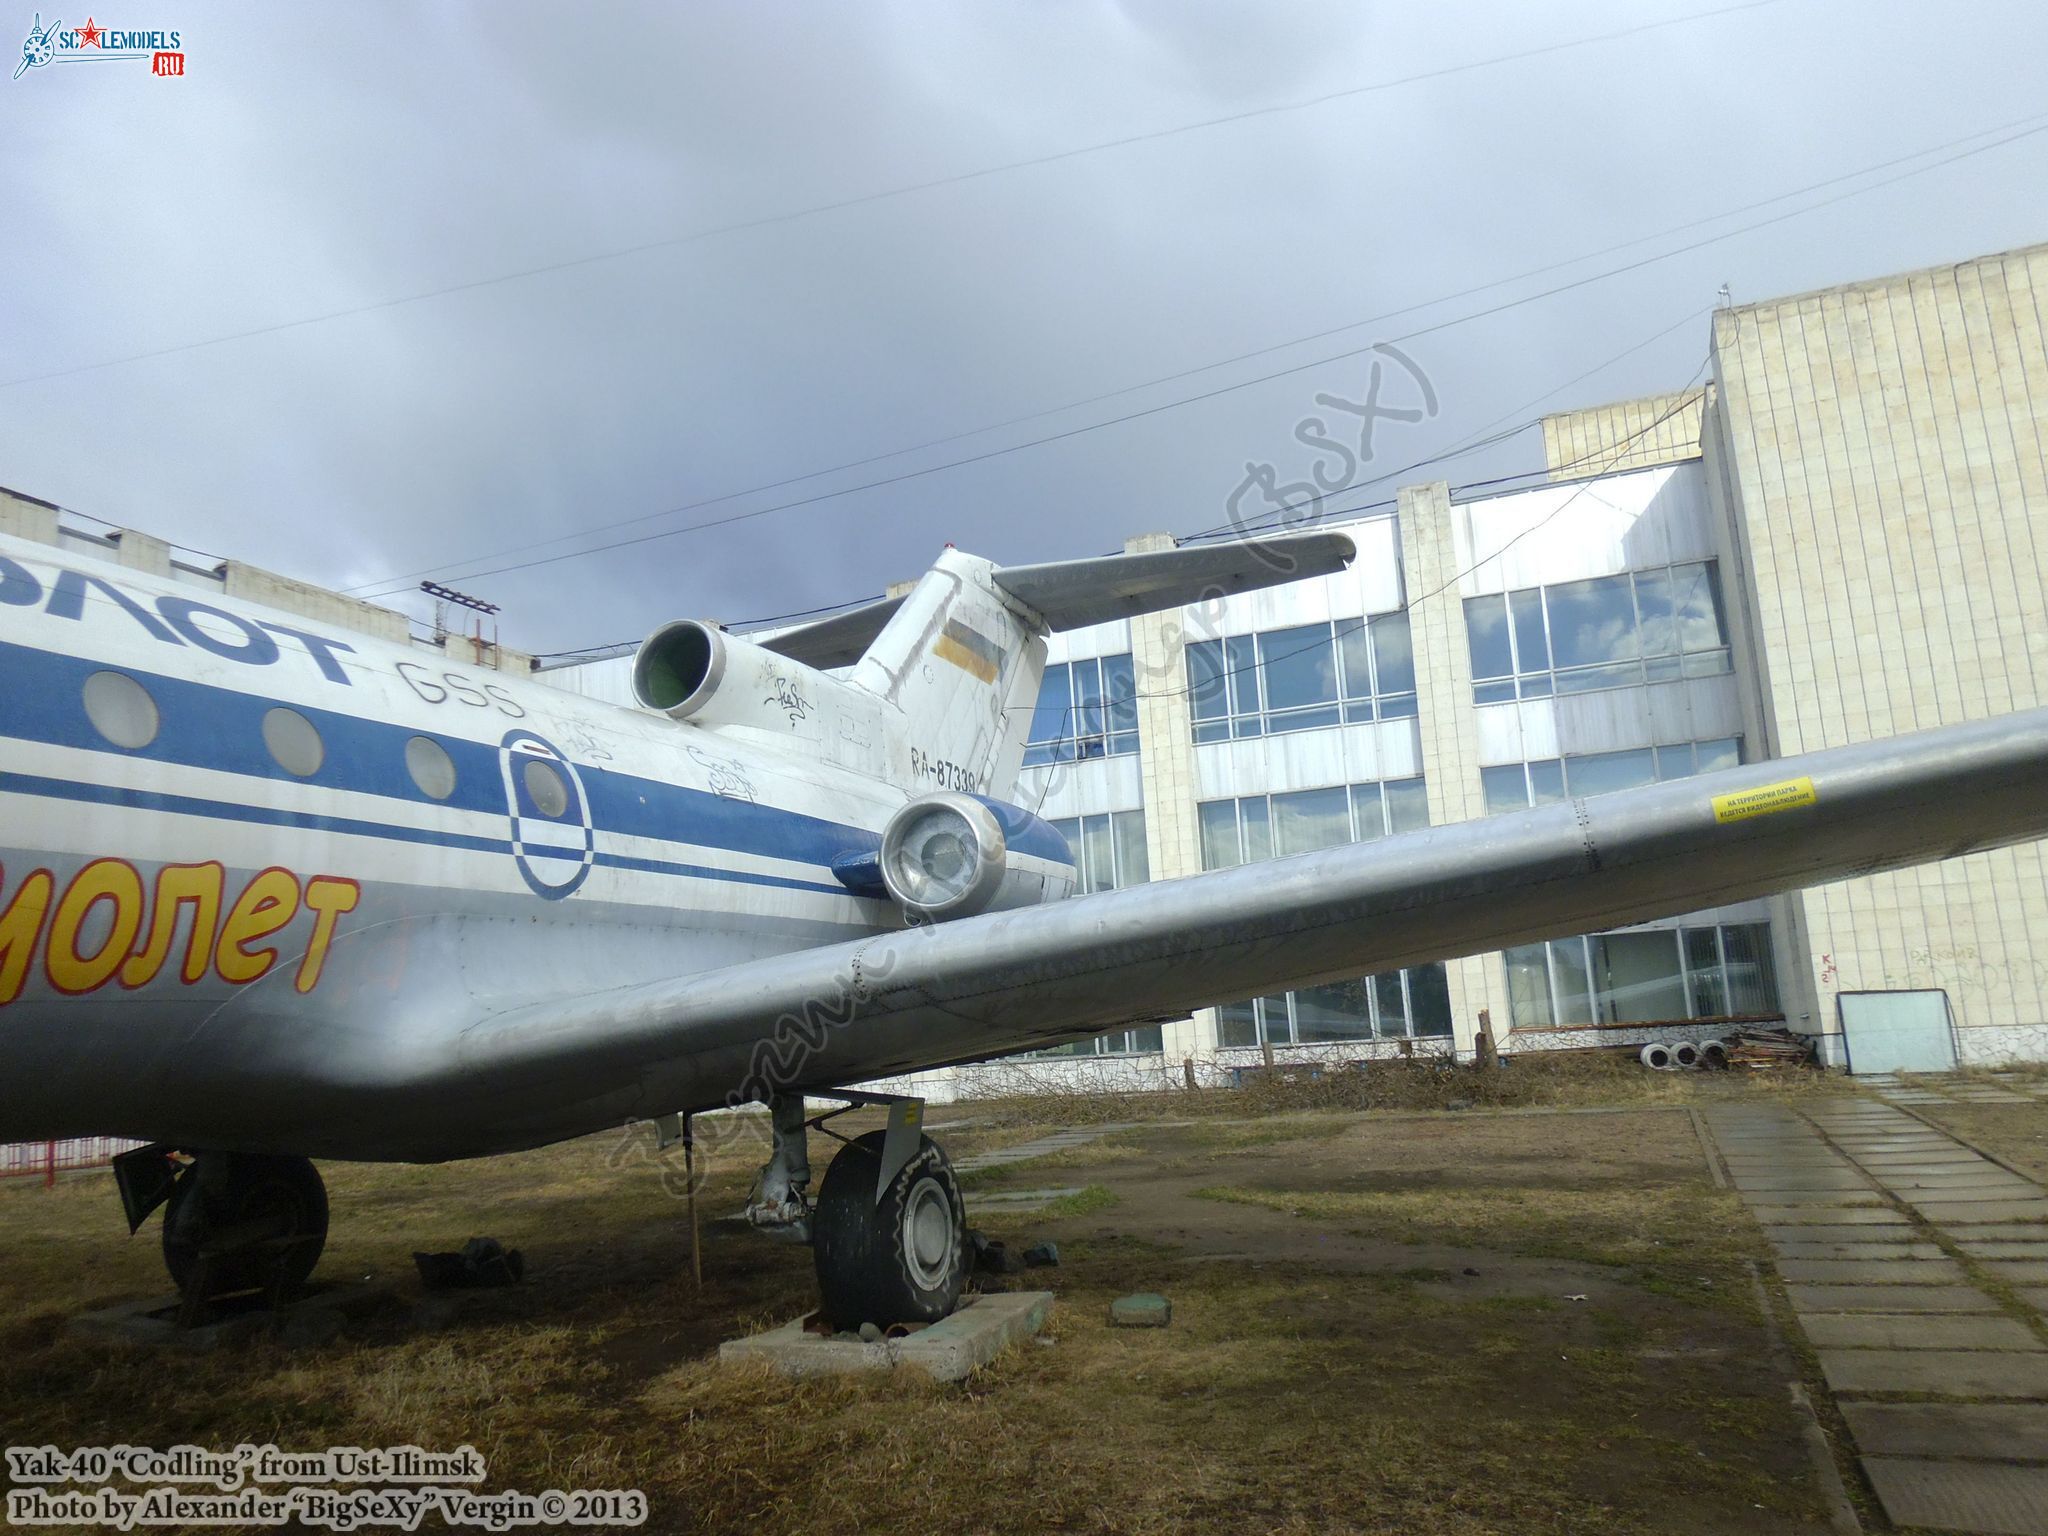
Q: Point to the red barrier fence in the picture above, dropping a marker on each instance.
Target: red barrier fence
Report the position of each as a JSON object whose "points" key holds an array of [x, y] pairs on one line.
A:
{"points": [[47, 1159]]}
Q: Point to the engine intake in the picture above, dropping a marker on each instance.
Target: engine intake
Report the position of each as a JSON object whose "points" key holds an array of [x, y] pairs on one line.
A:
{"points": [[950, 855]]}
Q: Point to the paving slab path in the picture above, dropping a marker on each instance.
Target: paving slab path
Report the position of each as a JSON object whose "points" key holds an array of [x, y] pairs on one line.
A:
{"points": [[1918, 1270]]}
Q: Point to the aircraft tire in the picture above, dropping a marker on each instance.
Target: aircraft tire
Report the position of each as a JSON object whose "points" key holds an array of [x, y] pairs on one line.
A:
{"points": [[902, 1260], [223, 1192]]}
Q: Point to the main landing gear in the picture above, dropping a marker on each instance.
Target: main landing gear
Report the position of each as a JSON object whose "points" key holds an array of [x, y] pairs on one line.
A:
{"points": [[233, 1221], [889, 1231]]}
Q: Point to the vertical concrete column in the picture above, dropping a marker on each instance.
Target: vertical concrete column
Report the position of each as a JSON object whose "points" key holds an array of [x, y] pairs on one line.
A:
{"points": [[1166, 769], [26, 518], [1430, 562]]}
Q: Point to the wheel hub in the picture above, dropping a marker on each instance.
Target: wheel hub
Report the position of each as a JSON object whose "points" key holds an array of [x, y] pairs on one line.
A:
{"points": [[928, 1233]]}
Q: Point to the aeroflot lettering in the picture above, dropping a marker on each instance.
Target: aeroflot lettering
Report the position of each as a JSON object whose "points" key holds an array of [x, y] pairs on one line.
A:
{"points": [[136, 941], [174, 621]]}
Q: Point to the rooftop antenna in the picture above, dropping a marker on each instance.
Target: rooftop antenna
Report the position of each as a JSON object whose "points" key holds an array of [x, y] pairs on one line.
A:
{"points": [[445, 595]]}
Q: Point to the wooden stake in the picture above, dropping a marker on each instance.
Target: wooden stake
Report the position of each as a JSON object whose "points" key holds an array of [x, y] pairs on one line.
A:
{"points": [[690, 1177]]}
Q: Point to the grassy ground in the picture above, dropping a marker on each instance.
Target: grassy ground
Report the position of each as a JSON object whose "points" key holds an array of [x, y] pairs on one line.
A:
{"points": [[2018, 1133], [1418, 1323]]}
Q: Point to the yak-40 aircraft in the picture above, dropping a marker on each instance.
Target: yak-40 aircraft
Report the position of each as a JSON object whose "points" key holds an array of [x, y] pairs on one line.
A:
{"points": [[272, 891]]}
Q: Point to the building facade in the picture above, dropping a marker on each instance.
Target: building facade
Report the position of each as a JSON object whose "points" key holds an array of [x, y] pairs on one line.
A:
{"points": [[1842, 535]]}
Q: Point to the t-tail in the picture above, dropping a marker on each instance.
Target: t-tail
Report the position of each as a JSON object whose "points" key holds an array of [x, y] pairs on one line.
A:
{"points": [[960, 655]]}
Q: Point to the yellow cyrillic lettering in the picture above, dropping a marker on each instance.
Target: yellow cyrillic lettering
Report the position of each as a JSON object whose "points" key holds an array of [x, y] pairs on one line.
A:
{"points": [[266, 904], [327, 897], [102, 880], [177, 884], [21, 924]]}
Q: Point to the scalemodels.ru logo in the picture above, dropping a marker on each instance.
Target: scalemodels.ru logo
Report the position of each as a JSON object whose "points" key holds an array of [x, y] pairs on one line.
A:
{"points": [[93, 43]]}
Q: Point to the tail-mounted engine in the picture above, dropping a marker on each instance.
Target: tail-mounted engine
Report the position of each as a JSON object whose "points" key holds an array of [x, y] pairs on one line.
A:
{"points": [[693, 671], [949, 855]]}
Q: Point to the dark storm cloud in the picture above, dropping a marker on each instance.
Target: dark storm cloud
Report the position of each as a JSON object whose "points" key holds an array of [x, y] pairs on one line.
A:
{"points": [[327, 158]]}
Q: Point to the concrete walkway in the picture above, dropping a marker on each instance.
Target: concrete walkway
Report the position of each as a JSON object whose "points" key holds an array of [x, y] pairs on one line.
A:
{"points": [[1999, 1088], [1919, 1272]]}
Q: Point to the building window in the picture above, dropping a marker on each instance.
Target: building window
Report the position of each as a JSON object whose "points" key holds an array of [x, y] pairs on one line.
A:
{"points": [[1392, 1005], [1610, 632], [1516, 786], [1654, 976], [1109, 853], [1086, 708], [1303, 678]]}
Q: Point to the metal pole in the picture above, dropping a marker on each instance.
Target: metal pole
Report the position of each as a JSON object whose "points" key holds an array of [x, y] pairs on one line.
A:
{"points": [[49, 1165], [690, 1177]]}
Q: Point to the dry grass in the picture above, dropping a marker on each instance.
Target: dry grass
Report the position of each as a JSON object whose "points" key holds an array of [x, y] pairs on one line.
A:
{"points": [[1336, 1370], [2018, 1133]]}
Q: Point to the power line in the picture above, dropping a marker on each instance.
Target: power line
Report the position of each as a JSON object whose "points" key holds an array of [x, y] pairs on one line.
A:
{"points": [[1210, 394], [405, 578], [891, 193]]}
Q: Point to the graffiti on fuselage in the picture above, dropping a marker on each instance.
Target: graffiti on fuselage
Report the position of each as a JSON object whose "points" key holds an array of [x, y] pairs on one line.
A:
{"points": [[136, 941]]}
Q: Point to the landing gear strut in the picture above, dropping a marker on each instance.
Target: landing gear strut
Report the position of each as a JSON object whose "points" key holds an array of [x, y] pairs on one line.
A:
{"points": [[889, 1231], [233, 1221]]}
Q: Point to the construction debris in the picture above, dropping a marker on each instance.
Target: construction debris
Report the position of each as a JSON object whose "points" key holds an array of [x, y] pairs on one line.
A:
{"points": [[1769, 1049]]}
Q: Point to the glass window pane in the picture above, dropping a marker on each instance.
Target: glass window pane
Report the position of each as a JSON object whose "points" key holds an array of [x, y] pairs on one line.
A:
{"points": [[1133, 867], [1602, 773], [1591, 622], [1397, 706], [1098, 860], [1752, 979], [1505, 788], [1207, 695], [1391, 1004], [1720, 754], [122, 711], [1119, 687], [1258, 829], [1546, 781], [1640, 980], [1393, 653], [1707, 663], [1532, 650], [1704, 983], [1310, 819], [1654, 606], [1301, 671], [1588, 679], [1354, 651], [1273, 1020], [1486, 628], [1368, 813], [1237, 1024], [1574, 985], [1674, 762], [1069, 827], [1696, 607], [1429, 1001], [1493, 693], [1340, 1011], [1051, 720], [1407, 804], [1661, 669], [1528, 987], [1219, 834], [1537, 685], [1088, 709], [1241, 659]]}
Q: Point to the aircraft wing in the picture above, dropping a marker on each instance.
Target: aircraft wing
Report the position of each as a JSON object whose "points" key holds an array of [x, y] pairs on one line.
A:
{"points": [[987, 985]]}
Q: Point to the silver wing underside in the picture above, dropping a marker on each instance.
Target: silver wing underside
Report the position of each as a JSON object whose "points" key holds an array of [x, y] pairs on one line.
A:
{"points": [[989, 985]]}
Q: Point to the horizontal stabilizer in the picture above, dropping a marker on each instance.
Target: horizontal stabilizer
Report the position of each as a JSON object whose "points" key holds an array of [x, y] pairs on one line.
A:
{"points": [[1070, 593]]}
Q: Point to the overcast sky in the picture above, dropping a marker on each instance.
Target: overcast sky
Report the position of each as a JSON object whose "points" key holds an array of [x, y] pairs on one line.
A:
{"points": [[709, 324]]}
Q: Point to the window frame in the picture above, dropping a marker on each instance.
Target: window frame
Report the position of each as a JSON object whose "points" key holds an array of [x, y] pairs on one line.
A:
{"points": [[1235, 667]]}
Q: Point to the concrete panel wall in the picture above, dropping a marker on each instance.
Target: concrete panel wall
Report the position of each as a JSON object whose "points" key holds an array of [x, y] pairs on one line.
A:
{"points": [[1657, 429], [1883, 451]]}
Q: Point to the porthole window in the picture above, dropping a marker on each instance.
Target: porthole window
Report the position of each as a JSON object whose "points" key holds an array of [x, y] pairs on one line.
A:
{"points": [[121, 709], [544, 783], [294, 741], [432, 769]]}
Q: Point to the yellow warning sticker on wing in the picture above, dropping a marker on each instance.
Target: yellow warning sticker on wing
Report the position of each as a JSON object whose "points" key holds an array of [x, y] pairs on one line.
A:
{"points": [[1764, 800]]}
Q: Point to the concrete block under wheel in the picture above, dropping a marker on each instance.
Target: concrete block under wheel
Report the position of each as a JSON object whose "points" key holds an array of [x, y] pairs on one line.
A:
{"points": [[975, 1333]]}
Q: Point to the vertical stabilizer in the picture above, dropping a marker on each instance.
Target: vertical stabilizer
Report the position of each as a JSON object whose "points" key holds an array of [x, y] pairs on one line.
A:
{"points": [[962, 661]]}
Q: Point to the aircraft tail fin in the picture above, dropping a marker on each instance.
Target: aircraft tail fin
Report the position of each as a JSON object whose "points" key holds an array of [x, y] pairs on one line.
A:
{"points": [[961, 654]]}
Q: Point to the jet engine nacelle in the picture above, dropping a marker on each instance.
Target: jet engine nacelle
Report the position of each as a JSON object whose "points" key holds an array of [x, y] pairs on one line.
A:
{"points": [[691, 670], [950, 855]]}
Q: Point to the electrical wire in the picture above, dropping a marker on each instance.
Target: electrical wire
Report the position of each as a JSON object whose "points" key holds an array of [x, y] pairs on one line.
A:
{"points": [[890, 193], [1083, 429]]}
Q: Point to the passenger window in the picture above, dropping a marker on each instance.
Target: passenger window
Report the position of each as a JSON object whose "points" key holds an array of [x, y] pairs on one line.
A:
{"points": [[545, 784], [294, 742], [432, 769], [121, 709]]}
